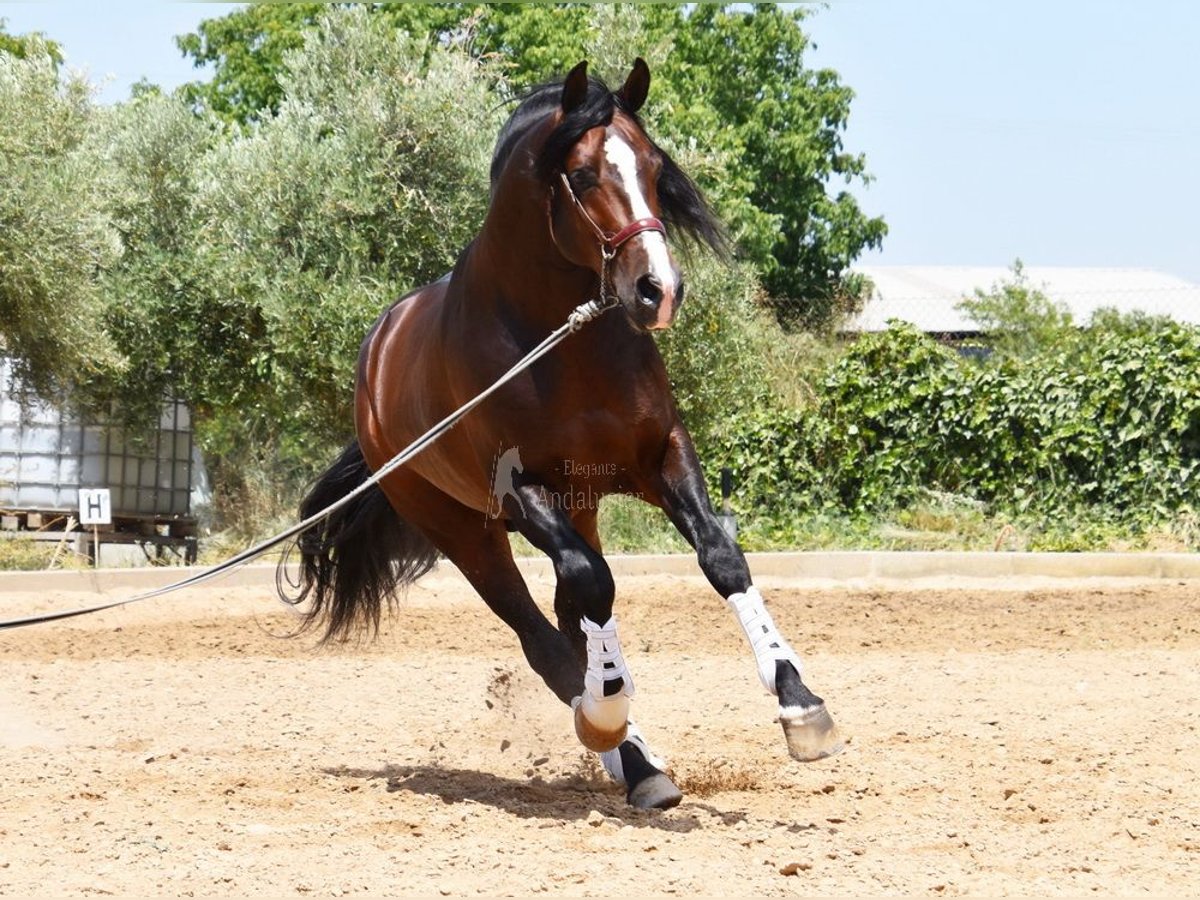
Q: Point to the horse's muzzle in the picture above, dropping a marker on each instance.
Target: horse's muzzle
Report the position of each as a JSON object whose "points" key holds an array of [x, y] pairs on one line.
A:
{"points": [[650, 295], [656, 304]]}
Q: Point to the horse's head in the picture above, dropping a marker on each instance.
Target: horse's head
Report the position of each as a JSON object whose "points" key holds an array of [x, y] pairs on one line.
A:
{"points": [[610, 192], [605, 211]]}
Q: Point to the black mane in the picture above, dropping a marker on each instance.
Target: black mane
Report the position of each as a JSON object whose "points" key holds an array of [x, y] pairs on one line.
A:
{"points": [[683, 207]]}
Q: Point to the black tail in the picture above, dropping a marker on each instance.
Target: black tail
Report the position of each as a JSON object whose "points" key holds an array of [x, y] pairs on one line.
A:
{"points": [[352, 561]]}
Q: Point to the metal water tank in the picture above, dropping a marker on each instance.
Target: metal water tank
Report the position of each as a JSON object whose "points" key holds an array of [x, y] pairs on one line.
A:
{"points": [[47, 453]]}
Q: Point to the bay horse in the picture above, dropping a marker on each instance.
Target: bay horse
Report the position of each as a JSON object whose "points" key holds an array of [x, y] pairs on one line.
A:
{"points": [[580, 203]]}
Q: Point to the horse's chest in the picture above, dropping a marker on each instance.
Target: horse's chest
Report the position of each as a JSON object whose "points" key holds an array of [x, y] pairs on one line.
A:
{"points": [[593, 449]]}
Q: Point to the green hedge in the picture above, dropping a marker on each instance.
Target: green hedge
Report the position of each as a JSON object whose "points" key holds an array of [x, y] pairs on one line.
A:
{"points": [[1107, 417]]}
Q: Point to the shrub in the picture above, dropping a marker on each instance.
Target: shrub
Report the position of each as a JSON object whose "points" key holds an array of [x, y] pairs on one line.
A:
{"points": [[716, 354], [53, 235], [1105, 419]]}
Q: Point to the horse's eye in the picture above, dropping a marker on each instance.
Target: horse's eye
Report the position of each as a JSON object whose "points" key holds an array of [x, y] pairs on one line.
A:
{"points": [[582, 180]]}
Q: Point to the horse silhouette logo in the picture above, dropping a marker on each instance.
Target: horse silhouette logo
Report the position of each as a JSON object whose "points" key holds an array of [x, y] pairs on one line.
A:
{"points": [[507, 464]]}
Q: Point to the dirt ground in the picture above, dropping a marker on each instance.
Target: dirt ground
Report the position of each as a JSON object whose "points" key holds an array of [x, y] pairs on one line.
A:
{"points": [[1031, 741]]}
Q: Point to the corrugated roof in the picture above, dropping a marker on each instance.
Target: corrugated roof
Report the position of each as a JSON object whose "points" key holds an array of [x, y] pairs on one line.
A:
{"points": [[927, 295]]}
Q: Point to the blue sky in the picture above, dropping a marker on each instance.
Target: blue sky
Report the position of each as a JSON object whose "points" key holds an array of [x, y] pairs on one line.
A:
{"points": [[1062, 133], [117, 43]]}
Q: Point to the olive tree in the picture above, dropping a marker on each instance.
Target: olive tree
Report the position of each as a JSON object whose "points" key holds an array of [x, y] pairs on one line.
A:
{"points": [[365, 184], [54, 235]]}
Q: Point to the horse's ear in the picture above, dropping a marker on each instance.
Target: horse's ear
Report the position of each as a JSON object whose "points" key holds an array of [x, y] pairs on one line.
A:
{"points": [[633, 92], [575, 87]]}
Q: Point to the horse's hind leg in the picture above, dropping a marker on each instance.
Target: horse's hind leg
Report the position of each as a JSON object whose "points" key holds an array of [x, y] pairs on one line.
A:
{"points": [[479, 547], [682, 493]]}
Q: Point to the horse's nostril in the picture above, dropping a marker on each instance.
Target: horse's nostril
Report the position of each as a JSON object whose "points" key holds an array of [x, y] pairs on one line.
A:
{"points": [[649, 290]]}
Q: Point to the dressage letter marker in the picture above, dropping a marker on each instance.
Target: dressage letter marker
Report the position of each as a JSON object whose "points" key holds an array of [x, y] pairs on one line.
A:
{"points": [[95, 506], [95, 509]]}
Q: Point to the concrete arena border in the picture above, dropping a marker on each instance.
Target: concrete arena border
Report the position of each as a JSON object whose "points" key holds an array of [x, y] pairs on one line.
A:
{"points": [[828, 568]]}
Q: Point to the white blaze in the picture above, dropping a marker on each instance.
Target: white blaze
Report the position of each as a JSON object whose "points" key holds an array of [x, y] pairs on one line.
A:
{"points": [[621, 156]]}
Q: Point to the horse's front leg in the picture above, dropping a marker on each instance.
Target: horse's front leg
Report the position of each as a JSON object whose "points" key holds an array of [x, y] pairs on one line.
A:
{"points": [[602, 708], [682, 493], [583, 602]]}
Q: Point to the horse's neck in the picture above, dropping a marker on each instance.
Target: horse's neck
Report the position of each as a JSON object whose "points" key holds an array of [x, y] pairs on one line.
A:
{"points": [[513, 280], [508, 301], [525, 282]]}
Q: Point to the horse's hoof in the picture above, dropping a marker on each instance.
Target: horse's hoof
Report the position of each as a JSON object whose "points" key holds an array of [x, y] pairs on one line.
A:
{"points": [[594, 737], [810, 733], [656, 791]]}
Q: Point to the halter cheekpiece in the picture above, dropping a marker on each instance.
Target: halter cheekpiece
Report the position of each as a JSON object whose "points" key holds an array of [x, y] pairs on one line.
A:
{"points": [[610, 242]]}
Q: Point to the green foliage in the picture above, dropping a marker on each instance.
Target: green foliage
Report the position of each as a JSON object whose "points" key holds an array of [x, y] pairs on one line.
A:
{"points": [[761, 131], [609, 33], [1017, 318], [248, 49], [152, 146], [18, 553], [935, 524], [54, 237], [1104, 422], [717, 351], [24, 46], [1107, 320], [367, 182], [627, 525], [741, 73]]}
